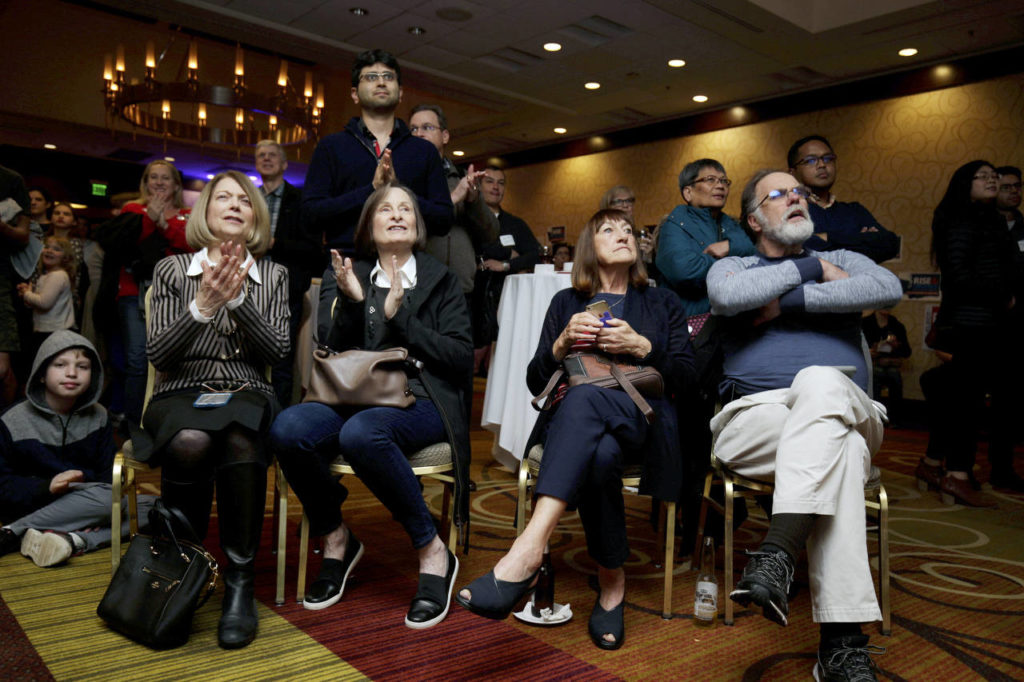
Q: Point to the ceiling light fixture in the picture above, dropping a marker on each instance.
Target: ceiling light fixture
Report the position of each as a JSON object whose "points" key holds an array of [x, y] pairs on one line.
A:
{"points": [[49, 146], [907, 52], [458, 152], [677, 63], [700, 98], [207, 113], [359, 11], [592, 85], [169, 159], [560, 131], [552, 47], [78, 207], [417, 30]]}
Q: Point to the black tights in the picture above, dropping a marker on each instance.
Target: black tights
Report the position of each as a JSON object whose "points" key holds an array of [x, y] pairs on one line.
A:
{"points": [[193, 456]]}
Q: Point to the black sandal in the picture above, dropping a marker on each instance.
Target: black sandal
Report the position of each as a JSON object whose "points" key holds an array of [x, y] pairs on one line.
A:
{"points": [[493, 598], [607, 623]]}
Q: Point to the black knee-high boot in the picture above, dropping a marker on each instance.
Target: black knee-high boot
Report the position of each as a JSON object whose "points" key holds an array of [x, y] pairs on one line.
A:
{"points": [[241, 504], [193, 499]]}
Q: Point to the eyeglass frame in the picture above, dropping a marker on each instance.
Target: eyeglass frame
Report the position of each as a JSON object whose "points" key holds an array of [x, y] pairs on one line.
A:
{"points": [[800, 191], [714, 180], [625, 200], [987, 176], [374, 76], [426, 127], [813, 160]]}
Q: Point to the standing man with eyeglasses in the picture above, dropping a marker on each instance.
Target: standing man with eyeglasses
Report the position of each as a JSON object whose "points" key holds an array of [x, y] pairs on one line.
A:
{"points": [[698, 233], [474, 224], [373, 149], [838, 224], [791, 415]]}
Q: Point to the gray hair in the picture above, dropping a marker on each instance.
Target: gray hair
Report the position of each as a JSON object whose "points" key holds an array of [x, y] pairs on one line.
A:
{"points": [[273, 143], [691, 170], [749, 199]]}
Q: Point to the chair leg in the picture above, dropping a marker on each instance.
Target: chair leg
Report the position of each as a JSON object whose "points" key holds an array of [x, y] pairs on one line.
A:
{"points": [[448, 519], [115, 513], [883, 559], [524, 474], [727, 538], [281, 507], [300, 589], [670, 550]]}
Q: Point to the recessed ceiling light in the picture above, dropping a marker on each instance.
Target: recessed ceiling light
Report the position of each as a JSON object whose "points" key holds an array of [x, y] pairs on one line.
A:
{"points": [[700, 98], [417, 30], [677, 63], [592, 85], [49, 146], [560, 131], [359, 11], [907, 52], [210, 176], [169, 158], [458, 152], [552, 47]]}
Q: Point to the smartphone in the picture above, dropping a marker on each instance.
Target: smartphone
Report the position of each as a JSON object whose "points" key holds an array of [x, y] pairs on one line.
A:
{"points": [[599, 309]]}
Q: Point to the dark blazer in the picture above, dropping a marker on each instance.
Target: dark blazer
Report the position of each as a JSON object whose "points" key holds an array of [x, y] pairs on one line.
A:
{"points": [[433, 324], [294, 247], [657, 314]]}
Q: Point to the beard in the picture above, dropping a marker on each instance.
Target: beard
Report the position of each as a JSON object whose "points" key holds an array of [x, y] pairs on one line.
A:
{"points": [[785, 232]]}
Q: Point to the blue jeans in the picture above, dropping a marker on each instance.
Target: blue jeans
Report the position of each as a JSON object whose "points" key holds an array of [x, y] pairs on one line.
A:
{"points": [[306, 438], [133, 337]]}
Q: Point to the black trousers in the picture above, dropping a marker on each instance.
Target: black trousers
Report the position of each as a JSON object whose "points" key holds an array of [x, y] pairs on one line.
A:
{"points": [[585, 449]]}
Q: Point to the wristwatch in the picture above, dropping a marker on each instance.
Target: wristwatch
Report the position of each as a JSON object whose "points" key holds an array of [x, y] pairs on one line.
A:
{"points": [[506, 266]]}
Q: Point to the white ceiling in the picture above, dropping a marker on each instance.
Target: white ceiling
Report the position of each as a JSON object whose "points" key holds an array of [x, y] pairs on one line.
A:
{"points": [[483, 59]]}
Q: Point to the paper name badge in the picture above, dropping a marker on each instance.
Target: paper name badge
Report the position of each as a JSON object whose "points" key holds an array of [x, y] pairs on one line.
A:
{"points": [[210, 400], [507, 240]]}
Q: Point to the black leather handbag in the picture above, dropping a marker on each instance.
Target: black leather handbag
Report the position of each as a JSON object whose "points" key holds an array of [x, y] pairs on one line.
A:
{"points": [[161, 581]]}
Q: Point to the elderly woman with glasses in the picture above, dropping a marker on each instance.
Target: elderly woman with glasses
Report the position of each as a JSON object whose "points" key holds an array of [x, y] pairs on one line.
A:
{"points": [[698, 233], [218, 318]]}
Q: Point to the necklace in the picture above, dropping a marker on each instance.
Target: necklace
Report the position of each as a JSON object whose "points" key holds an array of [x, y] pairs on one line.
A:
{"points": [[612, 305]]}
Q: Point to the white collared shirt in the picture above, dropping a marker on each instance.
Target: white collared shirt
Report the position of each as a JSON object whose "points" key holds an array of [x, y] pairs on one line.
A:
{"points": [[407, 272], [195, 267]]}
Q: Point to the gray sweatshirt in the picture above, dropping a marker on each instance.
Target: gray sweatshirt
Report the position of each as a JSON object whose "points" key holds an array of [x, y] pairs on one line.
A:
{"points": [[819, 322]]}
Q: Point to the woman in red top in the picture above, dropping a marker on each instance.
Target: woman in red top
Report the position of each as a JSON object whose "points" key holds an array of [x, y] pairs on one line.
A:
{"points": [[146, 231]]}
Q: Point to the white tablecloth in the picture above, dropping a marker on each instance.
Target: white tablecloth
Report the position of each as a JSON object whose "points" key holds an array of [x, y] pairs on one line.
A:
{"points": [[507, 410]]}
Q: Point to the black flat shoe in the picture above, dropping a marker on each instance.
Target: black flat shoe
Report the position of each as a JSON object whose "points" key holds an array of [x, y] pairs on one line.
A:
{"points": [[607, 623], [493, 598], [433, 596], [328, 587]]}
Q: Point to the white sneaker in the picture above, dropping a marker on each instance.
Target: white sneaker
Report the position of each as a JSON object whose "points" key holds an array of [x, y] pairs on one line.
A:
{"points": [[47, 549]]}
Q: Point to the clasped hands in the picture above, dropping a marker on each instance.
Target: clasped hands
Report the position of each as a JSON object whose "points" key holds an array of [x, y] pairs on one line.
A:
{"points": [[222, 282], [618, 338], [349, 286]]}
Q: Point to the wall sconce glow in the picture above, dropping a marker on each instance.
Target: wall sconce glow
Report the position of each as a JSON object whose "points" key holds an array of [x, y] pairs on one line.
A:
{"points": [[677, 63], [79, 207], [560, 131], [49, 146], [700, 98], [943, 71], [907, 52], [458, 152], [738, 112], [552, 47], [592, 85]]}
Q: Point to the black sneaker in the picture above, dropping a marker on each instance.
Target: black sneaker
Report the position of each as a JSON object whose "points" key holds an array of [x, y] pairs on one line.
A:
{"points": [[766, 581], [847, 659], [9, 542]]}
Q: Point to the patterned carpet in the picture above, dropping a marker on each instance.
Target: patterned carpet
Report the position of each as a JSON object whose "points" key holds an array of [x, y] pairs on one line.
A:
{"points": [[957, 585]]}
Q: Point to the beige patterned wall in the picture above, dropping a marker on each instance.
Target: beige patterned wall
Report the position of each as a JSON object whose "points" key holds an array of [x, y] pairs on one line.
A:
{"points": [[895, 157]]}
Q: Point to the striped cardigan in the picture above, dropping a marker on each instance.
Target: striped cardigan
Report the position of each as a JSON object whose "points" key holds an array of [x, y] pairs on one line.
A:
{"points": [[188, 353]]}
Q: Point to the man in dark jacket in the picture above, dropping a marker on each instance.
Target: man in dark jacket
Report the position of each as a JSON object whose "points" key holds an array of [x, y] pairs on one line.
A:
{"points": [[837, 224], [290, 245], [372, 150]]}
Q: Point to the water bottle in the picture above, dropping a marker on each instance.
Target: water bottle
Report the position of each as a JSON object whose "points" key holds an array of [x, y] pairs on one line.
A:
{"points": [[705, 599], [544, 592]]}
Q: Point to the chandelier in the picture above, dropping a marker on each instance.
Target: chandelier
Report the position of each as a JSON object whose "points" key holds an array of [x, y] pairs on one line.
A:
{"points": [[204, 112]]}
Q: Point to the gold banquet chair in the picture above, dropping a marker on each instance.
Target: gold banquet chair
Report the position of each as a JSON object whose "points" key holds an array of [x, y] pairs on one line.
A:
{"points": [[529, 469], [735, 486], [433, 461], [124, 484]]}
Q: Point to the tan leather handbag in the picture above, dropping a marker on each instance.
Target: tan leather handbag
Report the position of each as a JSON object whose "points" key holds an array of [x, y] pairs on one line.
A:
{"points": [[361, 378], [600, 370]]}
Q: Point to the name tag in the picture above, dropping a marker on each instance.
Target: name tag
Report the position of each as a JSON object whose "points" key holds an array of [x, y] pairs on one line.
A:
{"points": [[507, 240], [210, 400], [1020, 244]]}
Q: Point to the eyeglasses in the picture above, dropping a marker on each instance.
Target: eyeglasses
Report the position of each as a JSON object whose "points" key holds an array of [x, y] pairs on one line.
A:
{"points": [[622, 202], [776, 194], [426, 127], [372, 76], [815, 160], [1010, 186], [986, 176], [714, 180]]}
